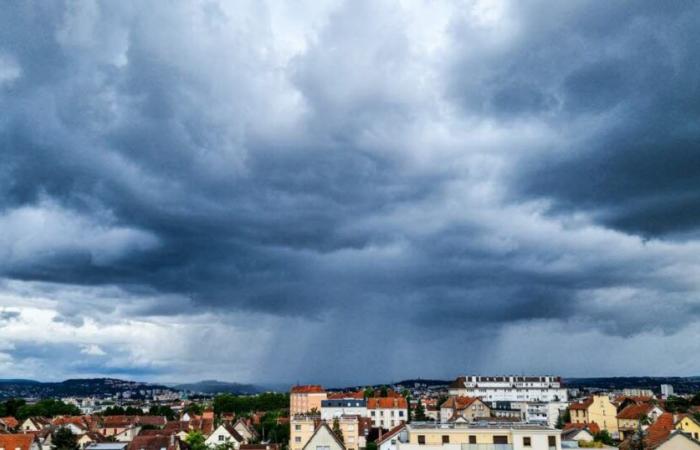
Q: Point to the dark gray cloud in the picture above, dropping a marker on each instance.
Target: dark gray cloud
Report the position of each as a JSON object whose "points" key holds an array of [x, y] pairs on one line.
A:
{"points": [[348, 170]]}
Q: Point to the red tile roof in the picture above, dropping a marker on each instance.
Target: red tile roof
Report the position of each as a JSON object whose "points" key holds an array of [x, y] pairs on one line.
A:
{"points": [[634, 412], [660, 430], [10, 421], [592, 427], [387, 403], [13, 441], [458, 403], [145, 442], [308, 389], [582, 405]]}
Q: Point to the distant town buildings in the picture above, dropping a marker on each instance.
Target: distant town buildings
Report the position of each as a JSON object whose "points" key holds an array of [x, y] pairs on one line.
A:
{"points": [[510, 388]]}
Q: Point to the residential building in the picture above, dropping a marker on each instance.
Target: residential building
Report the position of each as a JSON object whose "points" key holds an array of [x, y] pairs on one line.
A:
{"points": [[323, 438], [689, 425], [480, 436], [468, 408], [515, 411], [390, 439], [305, 399], [25, 441], [596, 409], [666, 390], [630, 419], [677, 441], [245, 430], [546, 413], [387, 412], [225, 434], [636, 392], [35, 424], [343, 406], [301, 428], [575, 435], [510, 388]]}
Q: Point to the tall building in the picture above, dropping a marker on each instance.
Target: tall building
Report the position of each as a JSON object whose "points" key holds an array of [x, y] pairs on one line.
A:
{"points": [[666, 390], [510, 388], [306, 398]]}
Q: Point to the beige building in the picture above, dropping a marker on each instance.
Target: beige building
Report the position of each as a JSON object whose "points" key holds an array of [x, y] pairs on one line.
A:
{"points": [[597, 409], [469, 408], [470, 436], [303, 428], [323, 438], [305, 399]]}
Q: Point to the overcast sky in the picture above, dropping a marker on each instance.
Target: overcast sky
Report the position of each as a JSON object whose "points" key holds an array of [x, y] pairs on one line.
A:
{"points": [[349, 192]]}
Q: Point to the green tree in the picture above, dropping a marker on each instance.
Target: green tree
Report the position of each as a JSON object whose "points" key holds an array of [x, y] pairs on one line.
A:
{"points": [[162, 410], [195, 440], [384, 391], [47, 408], [371, 446], [419, 412], [64, 439], [337, 431], [564, 418], [369, 392], [695, 400], [604, 437], [677, 404]]}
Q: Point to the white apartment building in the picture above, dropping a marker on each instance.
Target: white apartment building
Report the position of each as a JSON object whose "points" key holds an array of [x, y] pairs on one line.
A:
{"points": [[666, 390], [545, 413], [510, 388], [334, 408]]}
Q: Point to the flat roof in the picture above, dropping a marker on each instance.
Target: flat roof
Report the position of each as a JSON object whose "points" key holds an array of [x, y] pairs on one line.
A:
{"points": [[479, 425]]}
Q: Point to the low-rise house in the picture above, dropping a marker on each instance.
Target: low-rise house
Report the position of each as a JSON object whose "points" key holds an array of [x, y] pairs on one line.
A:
{"points": [[24, 441], [634, 416], [390, 439], [677, 440], [246, 430], [689, 425], [576, 435], [323, 438], [467, 408], [90, 438], [107, 446], [35, 424], [225, 434], [260, 447], [158, 442], [8, 424], [387, 412], [596, 409]]}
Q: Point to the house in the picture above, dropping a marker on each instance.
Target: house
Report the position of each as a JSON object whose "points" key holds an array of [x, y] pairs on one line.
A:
{"points": [[246, 430], [597, 409], [43, 438], [574, 435], [632, 417], [89, 438], [35, 424], [158, 442], [260, 447], [301, 428], [8, 423], [25, 441], [469, 408], [387, 412], [225, 434], [323, 438], [390, 439], [307, 398], [107, 446], [677, 440], [690, 426]]}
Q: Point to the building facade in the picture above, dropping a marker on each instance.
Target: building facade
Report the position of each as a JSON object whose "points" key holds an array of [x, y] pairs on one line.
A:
{"points": [[305, 399], [510, 388]]}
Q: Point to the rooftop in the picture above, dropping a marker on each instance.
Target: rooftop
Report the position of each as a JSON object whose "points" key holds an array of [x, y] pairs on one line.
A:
{"points": [[478, 425]]}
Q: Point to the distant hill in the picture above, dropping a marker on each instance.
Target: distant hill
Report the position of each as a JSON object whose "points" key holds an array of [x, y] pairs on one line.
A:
{"points": [[76, 387], [218, 387]]}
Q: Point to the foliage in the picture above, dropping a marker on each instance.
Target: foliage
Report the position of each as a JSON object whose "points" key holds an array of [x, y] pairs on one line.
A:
{"points": [[194, 409], [371, 446], [369, 392], [590, 444], [564, 418], [337, 431], [195, 440], [604, 437], [162, 410], [697, 416], [695, 400], [121, 411], [270, 430], [677, 404], [239, 404], [47, 408], [64, 439], [384, 391], [10, 406], [419, 412]]}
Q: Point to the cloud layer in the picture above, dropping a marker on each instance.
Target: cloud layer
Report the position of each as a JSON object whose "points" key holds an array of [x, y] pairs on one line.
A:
{"points": [[348, 191]]}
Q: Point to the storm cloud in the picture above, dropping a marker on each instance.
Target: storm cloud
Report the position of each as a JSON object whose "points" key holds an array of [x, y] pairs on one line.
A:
{"points": [[348, 192]]}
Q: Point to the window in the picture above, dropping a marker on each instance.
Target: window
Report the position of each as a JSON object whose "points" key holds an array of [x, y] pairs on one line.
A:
{"points": [[527, 441], [297, 427], [552, 440], [500, 439], [323, 447], [297, 438], [392, 413], [472, 439], [221, 437], [373, 413], [421, 439], [400, 413], [445, 439]]}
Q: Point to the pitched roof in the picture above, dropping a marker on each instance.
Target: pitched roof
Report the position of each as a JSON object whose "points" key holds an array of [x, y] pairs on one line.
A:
{"points": [[635, 411], [581, 405], [235, 434], [458, 383], [592, 427], [318, 428], [660, 430], [673, 435], [146, 442], [458, 403], [391, 433], [9, 421], [14, 441], [387, 403], [308, 389]]}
